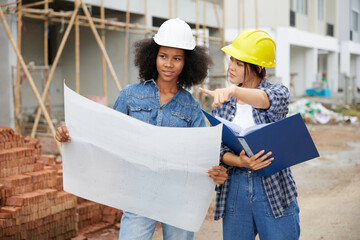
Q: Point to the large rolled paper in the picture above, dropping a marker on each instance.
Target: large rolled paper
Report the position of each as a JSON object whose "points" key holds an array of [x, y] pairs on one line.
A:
{"points": [[156, 172]]}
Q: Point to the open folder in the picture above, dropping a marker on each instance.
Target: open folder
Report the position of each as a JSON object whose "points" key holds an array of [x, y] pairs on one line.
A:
{"points": [[288, 139]]}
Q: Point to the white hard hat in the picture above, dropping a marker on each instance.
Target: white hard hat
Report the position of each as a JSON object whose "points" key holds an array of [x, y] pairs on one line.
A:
{"points": [[175, 33]]}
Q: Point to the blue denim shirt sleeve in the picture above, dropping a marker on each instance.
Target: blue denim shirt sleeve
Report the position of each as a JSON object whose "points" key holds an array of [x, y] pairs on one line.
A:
{"points": [[198, 119], [120, 103]]}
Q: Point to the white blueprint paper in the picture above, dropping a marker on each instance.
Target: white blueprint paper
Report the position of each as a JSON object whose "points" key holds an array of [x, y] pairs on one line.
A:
{"points": [[119, 161]]}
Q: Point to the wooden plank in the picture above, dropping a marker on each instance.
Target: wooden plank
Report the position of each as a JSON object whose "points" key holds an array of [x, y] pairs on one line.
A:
{"points": [[77, 51], [103, 61], [126, 53], [17, 85]]}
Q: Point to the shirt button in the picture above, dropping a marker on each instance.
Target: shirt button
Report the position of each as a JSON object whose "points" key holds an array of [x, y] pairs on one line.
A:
{"points": [[249, 171], [233, 115], [160, 107]]}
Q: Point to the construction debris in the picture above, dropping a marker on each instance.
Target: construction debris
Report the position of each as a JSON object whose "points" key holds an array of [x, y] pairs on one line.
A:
{"points": [[315, 112]]}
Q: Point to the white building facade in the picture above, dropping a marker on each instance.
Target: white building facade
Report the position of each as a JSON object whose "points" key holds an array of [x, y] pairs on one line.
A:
{"points": [[317, 40]]}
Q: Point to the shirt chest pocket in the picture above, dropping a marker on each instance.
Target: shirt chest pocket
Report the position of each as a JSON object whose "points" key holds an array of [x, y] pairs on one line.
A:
{"points": [[140, 112], [178, 119]]}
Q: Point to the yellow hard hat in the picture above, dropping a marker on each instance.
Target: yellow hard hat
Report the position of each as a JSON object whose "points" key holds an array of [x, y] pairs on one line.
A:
{"points": [[253, 46]]}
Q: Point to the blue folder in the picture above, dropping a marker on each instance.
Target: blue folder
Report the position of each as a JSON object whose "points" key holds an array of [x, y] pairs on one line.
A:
{"points": [[288, 139]]}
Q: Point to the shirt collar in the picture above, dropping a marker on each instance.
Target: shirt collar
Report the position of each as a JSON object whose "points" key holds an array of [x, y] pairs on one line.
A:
{"points": [[151, 80], [263, 83]]}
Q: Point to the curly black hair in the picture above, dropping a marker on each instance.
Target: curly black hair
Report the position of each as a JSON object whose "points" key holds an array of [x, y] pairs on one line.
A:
{"points": [[195, 70]]}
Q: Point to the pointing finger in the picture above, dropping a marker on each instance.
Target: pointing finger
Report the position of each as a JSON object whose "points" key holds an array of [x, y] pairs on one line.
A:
{"points": [[207, 92]]}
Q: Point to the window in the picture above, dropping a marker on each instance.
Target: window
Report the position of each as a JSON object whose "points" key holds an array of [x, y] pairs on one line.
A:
{"points": [[292, 18], [354, 20], [330, 29], [301, 6], [320, 9]]}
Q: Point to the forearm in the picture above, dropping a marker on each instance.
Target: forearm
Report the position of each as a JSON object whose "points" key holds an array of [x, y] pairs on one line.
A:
{"points": [[255, 97], [231, 159], [256, 162]]}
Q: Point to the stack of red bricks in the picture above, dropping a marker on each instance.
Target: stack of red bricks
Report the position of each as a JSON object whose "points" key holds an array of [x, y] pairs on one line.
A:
{"points": [[33, 204], [91, 213]]}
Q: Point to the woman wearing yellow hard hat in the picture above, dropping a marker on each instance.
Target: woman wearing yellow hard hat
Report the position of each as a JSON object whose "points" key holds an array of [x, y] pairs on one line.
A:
{"points": [[249, 203]]}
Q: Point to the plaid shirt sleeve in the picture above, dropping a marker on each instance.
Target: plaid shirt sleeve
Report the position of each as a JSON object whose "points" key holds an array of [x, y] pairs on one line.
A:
{"points": [[279, 98]]}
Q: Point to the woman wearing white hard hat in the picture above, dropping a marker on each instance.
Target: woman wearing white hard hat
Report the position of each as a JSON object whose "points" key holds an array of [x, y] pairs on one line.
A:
{"points": [[168, 63], [249, 203]]}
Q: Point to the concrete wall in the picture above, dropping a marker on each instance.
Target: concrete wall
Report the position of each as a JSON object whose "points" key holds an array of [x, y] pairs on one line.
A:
{"points": [[332, 15], [186, 9], [355, 5], [344, 20], [297, 69], [241, 14]]}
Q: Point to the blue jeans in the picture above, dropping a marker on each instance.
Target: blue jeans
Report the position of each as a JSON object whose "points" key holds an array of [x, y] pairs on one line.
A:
{"points": [[248, 211], [137, 227]]}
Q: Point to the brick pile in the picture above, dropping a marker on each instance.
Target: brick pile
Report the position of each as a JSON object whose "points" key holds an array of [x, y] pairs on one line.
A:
{"points": [[32, 207], [33, 204]]}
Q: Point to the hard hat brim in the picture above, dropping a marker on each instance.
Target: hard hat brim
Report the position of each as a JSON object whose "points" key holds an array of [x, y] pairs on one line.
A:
{"points": [[181, 45]]}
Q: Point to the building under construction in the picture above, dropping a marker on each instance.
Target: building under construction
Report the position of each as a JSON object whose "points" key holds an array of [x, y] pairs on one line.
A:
{"points": [[88, 44]]}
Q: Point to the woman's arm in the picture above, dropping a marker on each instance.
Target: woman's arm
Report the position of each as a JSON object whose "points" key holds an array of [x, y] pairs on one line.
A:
{"points": [[257, 98], [256, 162]]}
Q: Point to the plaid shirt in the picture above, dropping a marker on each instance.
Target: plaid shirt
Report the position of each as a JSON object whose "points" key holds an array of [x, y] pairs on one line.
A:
{"points": [[280, 188]]}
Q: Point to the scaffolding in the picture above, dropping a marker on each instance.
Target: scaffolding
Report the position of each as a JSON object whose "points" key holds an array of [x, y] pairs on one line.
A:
{"points": [[74, 19]]}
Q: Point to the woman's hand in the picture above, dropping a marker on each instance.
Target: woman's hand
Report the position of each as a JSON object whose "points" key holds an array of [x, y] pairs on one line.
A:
{"points": [[220, 95], [218, 174], [255, 162], [62, 134]]}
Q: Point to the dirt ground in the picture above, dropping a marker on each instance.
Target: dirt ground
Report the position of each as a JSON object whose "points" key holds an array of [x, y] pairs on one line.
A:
{"points": [[329, 193]]}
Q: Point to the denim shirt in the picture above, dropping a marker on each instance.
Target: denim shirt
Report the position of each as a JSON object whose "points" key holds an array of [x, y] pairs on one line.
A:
{"points": [[142, 101]]}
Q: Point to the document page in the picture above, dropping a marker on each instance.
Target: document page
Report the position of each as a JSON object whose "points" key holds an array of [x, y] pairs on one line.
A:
{"points": [[239, 130], [119, 161]]}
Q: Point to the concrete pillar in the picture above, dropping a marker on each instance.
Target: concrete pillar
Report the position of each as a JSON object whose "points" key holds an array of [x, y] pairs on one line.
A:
{"points": [[282, 66], [357, 73], [311, 63], [7, 59], [333, 71], [345, 59]]}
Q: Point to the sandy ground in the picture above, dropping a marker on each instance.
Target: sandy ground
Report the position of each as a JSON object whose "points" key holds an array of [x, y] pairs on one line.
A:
{"points": [[329, 193]]}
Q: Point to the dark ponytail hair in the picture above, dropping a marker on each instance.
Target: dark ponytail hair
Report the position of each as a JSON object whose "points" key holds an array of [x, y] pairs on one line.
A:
{"points": [[255, 69]]}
